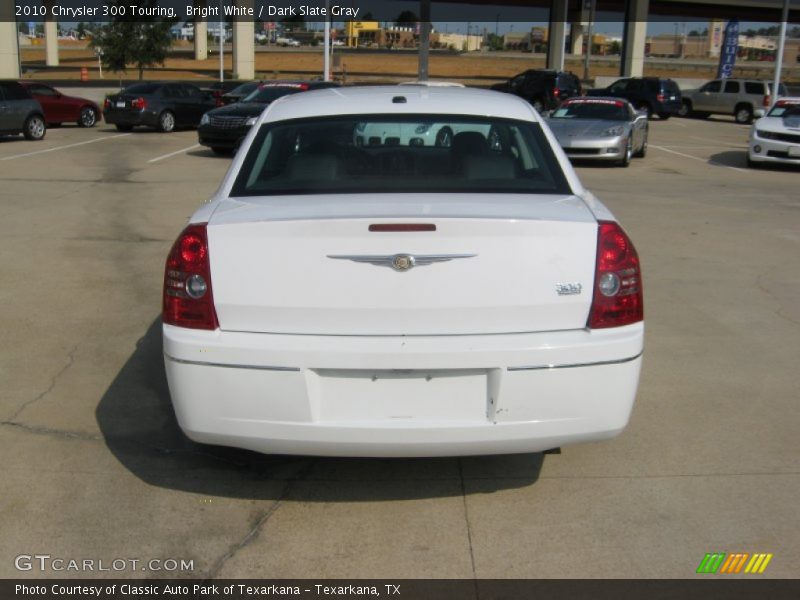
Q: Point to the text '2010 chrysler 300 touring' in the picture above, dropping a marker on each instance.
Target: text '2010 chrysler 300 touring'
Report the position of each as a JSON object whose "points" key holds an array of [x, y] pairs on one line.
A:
{"points": [[353, 293]]}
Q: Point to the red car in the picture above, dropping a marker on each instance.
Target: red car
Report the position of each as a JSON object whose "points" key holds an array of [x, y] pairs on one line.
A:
{"points": [[59, 108]]}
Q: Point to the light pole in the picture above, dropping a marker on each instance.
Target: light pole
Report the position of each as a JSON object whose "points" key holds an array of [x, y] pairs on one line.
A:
{"points": [[588, 54], [779, 57], [221, 44]]}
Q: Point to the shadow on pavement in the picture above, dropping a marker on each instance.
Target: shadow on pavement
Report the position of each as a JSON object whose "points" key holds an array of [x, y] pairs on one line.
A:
{"points": [[730, 158], [138, 424]]}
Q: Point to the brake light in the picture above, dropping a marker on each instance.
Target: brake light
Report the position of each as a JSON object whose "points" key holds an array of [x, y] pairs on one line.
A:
{"points": [[556, 92], [139, 103], [617, 299], [660, 97], [766, 100], [107, 104], [188, 299]]}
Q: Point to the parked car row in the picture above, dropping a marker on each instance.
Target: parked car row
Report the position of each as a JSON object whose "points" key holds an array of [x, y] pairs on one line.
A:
{"points": [[28, 108]]}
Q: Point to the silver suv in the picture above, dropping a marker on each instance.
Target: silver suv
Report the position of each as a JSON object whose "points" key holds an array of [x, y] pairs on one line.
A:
{"points": [[19, 112], [738, 97]]}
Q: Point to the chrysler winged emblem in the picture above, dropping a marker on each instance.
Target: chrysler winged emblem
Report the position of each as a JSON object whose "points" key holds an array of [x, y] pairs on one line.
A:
{"points": [[400, 262]]}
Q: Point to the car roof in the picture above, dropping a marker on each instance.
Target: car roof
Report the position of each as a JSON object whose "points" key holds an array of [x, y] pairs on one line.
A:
{"points": [[386, 100]]}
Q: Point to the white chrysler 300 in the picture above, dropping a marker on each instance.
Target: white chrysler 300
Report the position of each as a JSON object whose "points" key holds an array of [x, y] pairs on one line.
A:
{"points": [[397, 298]]}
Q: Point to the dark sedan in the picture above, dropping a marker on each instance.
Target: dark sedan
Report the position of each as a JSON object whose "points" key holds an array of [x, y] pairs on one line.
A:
{"points": [[60, 108], [163, 106], [223, 128]]}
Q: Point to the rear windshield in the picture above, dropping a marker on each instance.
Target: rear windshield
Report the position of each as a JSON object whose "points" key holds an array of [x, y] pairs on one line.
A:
{"points": [[607, 110], [268, 94], [244, 89], [393, 153], [785, 109], [142, 88], [671, 87]]}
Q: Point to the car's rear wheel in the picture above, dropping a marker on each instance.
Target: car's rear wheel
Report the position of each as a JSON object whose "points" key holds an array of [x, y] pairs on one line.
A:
{"points": [[743, 114], [626, 158], [88, 117], [221, 151], [685, 109], [643, 150], [166, 122], [124, 127], [34, 128], [664, 116], [537, 104]]}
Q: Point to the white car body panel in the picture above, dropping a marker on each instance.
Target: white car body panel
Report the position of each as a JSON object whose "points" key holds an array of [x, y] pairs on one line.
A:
{"points": [[782, 145], [332, 357]]}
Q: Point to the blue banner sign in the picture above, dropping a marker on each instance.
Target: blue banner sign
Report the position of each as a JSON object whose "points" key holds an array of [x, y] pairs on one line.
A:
{"points": [[727, 54]]}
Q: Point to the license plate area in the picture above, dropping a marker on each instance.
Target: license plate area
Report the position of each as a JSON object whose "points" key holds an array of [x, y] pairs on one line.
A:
{"points": [[397, 396], [120, 104]]}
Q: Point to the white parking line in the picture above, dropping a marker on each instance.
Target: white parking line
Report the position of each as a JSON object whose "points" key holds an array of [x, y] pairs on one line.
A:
{"points": [[158, 158], [113, 137], [697, 158]]}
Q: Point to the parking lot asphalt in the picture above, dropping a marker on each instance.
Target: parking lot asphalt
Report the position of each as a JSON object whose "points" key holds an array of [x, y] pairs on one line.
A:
{"points": [[94, 465]]}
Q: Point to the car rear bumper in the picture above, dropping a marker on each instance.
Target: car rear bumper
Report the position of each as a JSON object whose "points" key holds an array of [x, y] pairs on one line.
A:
{"points": [[402, 395], [128, 117]]}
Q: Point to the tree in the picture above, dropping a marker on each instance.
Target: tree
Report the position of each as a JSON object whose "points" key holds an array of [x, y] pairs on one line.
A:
{"points": [[406, 18], [81, 30], [143, 43]]}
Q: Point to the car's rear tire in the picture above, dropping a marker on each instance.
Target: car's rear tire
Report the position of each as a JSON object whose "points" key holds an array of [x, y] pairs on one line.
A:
{"points": [[664, 116], [686, 109], [538, 105], [34, 128], [221, 151], [743, 114], [124, 127], [643, 150], [625, 161], [88, 117], [166, 122]]}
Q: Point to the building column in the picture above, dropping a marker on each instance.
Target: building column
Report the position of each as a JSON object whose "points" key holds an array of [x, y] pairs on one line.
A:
{"points": [[631, 63], [9, 44], [244, 49], [557, 35], [424, 39], [576, 38], [200, 39], [50, 38]]}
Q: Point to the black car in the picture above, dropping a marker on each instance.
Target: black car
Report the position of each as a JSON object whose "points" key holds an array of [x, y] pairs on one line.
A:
{"points": [[20, 112], [165, 106], [657, 96], [223, 128], [543, 88]]}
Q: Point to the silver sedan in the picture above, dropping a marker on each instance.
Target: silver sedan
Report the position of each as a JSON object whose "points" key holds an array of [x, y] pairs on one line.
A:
{"points": [[607, 129]]}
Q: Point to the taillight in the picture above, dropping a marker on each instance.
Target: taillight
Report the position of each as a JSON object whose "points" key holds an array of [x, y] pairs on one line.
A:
{"points": [[766, 100], [556, 92], [106, 104], [617, 298], [139, 103], [188, 300], [660, 97]]}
